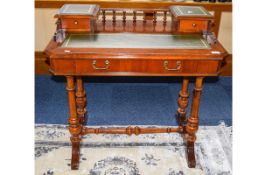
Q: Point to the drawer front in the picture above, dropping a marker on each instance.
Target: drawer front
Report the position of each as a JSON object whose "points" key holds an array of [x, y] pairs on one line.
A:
{"points": [[125, 66], [73, 24], [192, 25], [128, 67], [135, 66]]}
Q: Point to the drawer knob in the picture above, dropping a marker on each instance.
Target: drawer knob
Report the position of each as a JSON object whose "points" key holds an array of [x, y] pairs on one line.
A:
{"points": [[178, 66], [106, 62], [75, 22], [194, 25]]}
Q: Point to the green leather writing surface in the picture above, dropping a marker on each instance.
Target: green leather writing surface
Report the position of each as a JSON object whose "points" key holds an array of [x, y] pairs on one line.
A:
{"points": [[189, 11], [128, 40], [77, 9]]}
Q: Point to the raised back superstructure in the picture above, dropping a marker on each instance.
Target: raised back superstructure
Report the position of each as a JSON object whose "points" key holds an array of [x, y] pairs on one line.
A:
{"points": [[73, 18]]}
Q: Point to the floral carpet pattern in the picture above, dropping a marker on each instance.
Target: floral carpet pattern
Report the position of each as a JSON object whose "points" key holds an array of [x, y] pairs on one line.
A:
{"points": [[147, 154]]}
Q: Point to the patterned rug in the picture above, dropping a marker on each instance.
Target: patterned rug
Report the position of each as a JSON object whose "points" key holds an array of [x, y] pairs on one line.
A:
{"points": [[150, 154]]}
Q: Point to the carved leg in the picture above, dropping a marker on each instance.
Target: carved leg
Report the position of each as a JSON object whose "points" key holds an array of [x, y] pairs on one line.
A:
{"points": [[183, 101], [75, 127], [192, 123], [81, 100]]}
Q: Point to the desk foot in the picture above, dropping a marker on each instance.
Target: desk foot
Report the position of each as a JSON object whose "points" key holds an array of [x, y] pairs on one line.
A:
{"points": [[191, 155], [75, 155]]}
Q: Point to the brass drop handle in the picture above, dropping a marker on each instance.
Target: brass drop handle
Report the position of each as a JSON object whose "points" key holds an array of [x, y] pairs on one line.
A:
{"points": [[194, 25], [106, 62], [178, 66], [75, 22]]}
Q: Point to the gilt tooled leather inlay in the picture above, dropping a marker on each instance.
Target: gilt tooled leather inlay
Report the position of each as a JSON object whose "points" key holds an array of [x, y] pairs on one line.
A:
{"points": [[125, 40], [77, 9], [190, 11]]}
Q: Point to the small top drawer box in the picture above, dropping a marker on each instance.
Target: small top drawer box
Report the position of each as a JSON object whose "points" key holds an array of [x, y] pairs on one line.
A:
{"points": [[78, 17], [191, 18]]}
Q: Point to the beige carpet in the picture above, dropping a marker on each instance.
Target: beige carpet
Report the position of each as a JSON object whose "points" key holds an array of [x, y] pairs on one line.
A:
{"points": [[150, 154]]}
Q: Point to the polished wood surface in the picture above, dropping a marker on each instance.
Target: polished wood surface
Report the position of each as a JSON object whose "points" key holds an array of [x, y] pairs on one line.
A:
{"points": [[193, 122], [130, 130], [76, 22], [81, 100], [133, 4], [192, 25], [218, 8], [183, 101], [200, 55], [42, 65], [159, 66], [73, 25], [75, 126]]}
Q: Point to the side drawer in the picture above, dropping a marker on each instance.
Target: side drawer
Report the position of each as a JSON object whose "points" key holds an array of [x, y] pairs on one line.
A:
{"points": [[192, 25], [76, 24]]}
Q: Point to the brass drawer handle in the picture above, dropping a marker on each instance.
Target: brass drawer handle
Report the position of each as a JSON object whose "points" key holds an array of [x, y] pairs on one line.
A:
{"points": [[75, 22], [194, 25], [106, 62], [178, 67]]}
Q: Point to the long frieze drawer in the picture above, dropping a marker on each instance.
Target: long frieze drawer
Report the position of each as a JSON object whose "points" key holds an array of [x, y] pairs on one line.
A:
{"points": [[141, 66], [167, 66]]}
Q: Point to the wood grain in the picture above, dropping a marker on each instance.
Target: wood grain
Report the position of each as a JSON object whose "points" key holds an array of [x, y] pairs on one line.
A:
{"points": [[192, 123], [183, 101], [217, 8], [75, 128], [132, 4], [81, 100], [42, 65], [130, 130], [106, 60]]}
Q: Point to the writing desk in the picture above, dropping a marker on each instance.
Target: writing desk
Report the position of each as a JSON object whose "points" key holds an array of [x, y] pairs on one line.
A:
{"points": [[162, 48]]}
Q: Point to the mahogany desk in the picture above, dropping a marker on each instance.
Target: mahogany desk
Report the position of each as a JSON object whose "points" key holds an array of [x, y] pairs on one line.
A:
{"points": [[93, 45]]}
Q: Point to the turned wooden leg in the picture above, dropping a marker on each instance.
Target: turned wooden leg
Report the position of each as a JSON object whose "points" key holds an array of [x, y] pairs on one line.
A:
{"points": [[192, 123], [183, 101], [75, 127], [81, 100]]}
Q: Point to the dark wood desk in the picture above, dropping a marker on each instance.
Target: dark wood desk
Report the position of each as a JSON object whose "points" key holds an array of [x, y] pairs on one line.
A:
{"points": [[120, 47]]}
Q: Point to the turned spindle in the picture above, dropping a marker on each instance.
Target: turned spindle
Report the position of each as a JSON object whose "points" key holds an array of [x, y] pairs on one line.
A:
{"points": [[81, 100], [103, 16], [164, 17], [183, 101], [134, 16], [154, 17], [124, 16], [114, 16]]}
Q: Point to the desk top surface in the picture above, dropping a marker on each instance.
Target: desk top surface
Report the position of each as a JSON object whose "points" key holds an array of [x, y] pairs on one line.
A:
{"points": [[128, 40]]}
